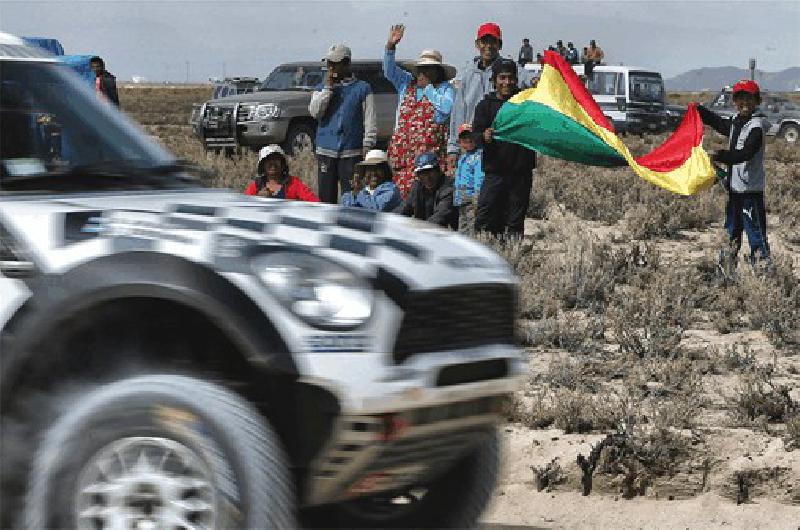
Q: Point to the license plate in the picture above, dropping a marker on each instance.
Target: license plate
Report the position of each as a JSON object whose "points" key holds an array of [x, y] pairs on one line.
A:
{"points": [[212, 125]]}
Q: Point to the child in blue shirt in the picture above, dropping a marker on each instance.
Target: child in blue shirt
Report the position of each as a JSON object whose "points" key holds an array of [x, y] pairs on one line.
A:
{"points": [[372, 186], [468, 179]]}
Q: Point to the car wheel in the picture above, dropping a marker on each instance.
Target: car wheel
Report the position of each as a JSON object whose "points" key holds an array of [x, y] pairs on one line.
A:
{"points": [[790, 133], [299, 139], [160, 451], [455, 500]]}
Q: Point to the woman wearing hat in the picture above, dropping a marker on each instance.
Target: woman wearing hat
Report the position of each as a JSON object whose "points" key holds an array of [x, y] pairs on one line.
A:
{"points": [[372, 187], [423, 111], [273, 179]]}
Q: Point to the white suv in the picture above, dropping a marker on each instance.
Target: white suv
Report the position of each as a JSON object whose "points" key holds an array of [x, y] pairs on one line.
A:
{"points": [[178, 357]]}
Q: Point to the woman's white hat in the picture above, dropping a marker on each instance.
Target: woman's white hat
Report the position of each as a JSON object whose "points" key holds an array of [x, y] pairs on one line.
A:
{"points": [[374, 157]]}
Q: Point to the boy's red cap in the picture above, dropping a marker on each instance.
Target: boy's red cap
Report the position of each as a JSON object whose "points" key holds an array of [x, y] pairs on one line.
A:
{"points": [[746, 85], [464, 127], [490, 28]]}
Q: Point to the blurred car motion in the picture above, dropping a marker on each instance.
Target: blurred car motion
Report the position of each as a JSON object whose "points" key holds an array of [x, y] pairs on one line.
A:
{"points": [[178, 357]]}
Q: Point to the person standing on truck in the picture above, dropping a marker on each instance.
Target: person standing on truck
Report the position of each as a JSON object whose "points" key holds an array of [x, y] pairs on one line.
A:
{"points": [[273, 179], [347, 126], [475, 81], [422, 120], [572, 54], [508, 168], [744, 172], [525, 53], [105, 83]]}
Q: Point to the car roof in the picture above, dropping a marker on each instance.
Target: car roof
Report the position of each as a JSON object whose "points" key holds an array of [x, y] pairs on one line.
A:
{"points": [[13, 48]]}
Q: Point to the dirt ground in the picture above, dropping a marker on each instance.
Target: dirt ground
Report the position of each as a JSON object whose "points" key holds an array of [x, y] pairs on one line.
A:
{"points": [[629, 330]]}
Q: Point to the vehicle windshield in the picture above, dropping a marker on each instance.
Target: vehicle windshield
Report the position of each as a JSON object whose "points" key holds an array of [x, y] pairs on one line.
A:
{"points": [[54, 126], [646, 87], [293, 78]]}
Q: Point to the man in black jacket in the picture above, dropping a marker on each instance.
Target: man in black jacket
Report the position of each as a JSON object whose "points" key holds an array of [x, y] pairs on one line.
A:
{"points": [[105, 83], [508, 168], [431, 196]]}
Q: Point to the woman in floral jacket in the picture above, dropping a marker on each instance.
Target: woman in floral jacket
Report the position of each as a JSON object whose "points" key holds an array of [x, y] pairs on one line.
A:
{"points": [[423, 110]]}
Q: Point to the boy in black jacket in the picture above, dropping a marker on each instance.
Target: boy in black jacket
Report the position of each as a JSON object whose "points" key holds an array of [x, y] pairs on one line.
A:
{"points": [[508, 168], [744, 171]]}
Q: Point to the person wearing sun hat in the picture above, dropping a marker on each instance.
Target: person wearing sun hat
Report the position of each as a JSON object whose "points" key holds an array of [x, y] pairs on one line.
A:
{"points": [[372, 187], [423, 108], [474, 81], [745, 177], [273, 178]]}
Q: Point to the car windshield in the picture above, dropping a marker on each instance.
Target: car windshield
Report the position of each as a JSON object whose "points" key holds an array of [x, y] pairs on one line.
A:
{"points": [[646, 87], [54, 126], [293, 78]]}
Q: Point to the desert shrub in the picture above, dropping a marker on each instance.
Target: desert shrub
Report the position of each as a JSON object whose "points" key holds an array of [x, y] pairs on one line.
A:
{"points": [[571, 331], [648, 320], [772, 299], [793, 431], [732, 358], [548, 475], [571, 410], [758, 397]]}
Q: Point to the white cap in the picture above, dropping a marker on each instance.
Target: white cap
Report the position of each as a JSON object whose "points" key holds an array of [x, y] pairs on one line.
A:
{"points": [[337, 53], [268, 150]]}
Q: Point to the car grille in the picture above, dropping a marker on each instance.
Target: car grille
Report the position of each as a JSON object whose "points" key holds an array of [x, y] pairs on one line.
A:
{"points": [[219, 122], [455, 317]]}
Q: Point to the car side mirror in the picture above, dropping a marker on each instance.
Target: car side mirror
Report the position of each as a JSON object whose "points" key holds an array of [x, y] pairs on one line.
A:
{"points": [[621, 103]]}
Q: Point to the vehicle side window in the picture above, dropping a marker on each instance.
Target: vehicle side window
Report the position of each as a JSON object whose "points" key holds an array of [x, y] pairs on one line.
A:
{"points": [[374, 76], [603, 83], [216, 92], [723, 100], [621, 84]]}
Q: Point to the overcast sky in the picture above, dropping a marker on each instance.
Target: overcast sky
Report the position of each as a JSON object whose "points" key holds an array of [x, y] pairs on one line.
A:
{"points": [[156, 39]]}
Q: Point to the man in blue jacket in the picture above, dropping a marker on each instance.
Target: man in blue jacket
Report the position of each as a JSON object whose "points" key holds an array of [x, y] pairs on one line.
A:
{"points": [[347, 127], [475, 81]]}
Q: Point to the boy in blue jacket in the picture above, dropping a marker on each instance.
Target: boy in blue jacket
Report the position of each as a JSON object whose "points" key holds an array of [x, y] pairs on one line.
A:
{"points": [[468, 179], [372, 187]]}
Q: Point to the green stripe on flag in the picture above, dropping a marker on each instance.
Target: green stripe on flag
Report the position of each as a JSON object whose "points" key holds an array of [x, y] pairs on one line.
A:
{"points": [[551, 133]]}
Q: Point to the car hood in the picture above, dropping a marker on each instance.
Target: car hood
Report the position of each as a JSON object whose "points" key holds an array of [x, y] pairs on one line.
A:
{"points": [[219, 228], [268, 96]]}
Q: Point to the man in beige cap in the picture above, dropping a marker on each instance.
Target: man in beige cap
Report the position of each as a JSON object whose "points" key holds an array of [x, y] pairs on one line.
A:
{"points": [[346, 123], [423, 109]]}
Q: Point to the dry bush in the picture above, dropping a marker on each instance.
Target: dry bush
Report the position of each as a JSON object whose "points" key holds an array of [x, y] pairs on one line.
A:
{"points": [[571, 331], [732, 358], [548, 475], [758, 397], [648, 320], [793, 432]]}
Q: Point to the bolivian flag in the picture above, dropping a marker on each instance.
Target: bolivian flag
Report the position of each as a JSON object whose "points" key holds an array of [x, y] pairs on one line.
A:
{"points": [[559, 118]]}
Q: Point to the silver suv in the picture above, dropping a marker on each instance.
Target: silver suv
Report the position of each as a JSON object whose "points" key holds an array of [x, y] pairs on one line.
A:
{"points": [[782, 114], [277, 113], [178, 357]]}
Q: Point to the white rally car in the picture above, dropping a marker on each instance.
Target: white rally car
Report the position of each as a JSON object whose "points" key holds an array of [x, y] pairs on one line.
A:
{"points": [[178, 357]]}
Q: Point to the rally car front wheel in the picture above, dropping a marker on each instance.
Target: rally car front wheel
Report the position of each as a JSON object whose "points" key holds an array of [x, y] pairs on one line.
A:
{"points": [[160, 452]]}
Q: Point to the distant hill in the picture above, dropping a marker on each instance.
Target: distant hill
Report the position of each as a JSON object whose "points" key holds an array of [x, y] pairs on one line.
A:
{"points": [[714, 78]]}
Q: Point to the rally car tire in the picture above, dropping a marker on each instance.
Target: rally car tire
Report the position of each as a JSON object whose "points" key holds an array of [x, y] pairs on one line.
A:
{"points": [[239, 472], [790, 133], [455, 500]]}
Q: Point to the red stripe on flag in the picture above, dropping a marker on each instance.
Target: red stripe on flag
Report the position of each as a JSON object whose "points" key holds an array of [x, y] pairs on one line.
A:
{"points": [[678, 147], [577, 88]]}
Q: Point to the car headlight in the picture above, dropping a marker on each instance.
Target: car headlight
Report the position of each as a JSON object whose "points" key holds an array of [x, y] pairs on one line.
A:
{"points": [[318, 291], [267, 111]]}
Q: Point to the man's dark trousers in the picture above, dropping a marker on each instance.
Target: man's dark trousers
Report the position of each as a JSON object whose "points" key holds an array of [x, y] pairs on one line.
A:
{"points": [[334, 172], [746, 212], [503, 203]]}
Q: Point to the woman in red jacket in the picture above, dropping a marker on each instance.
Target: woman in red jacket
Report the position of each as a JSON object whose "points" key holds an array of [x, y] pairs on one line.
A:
{"points": [[273, 178]]}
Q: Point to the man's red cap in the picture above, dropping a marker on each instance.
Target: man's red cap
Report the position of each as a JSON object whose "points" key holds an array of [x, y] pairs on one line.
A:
{"points": [[490, 28], [746, 85]]}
